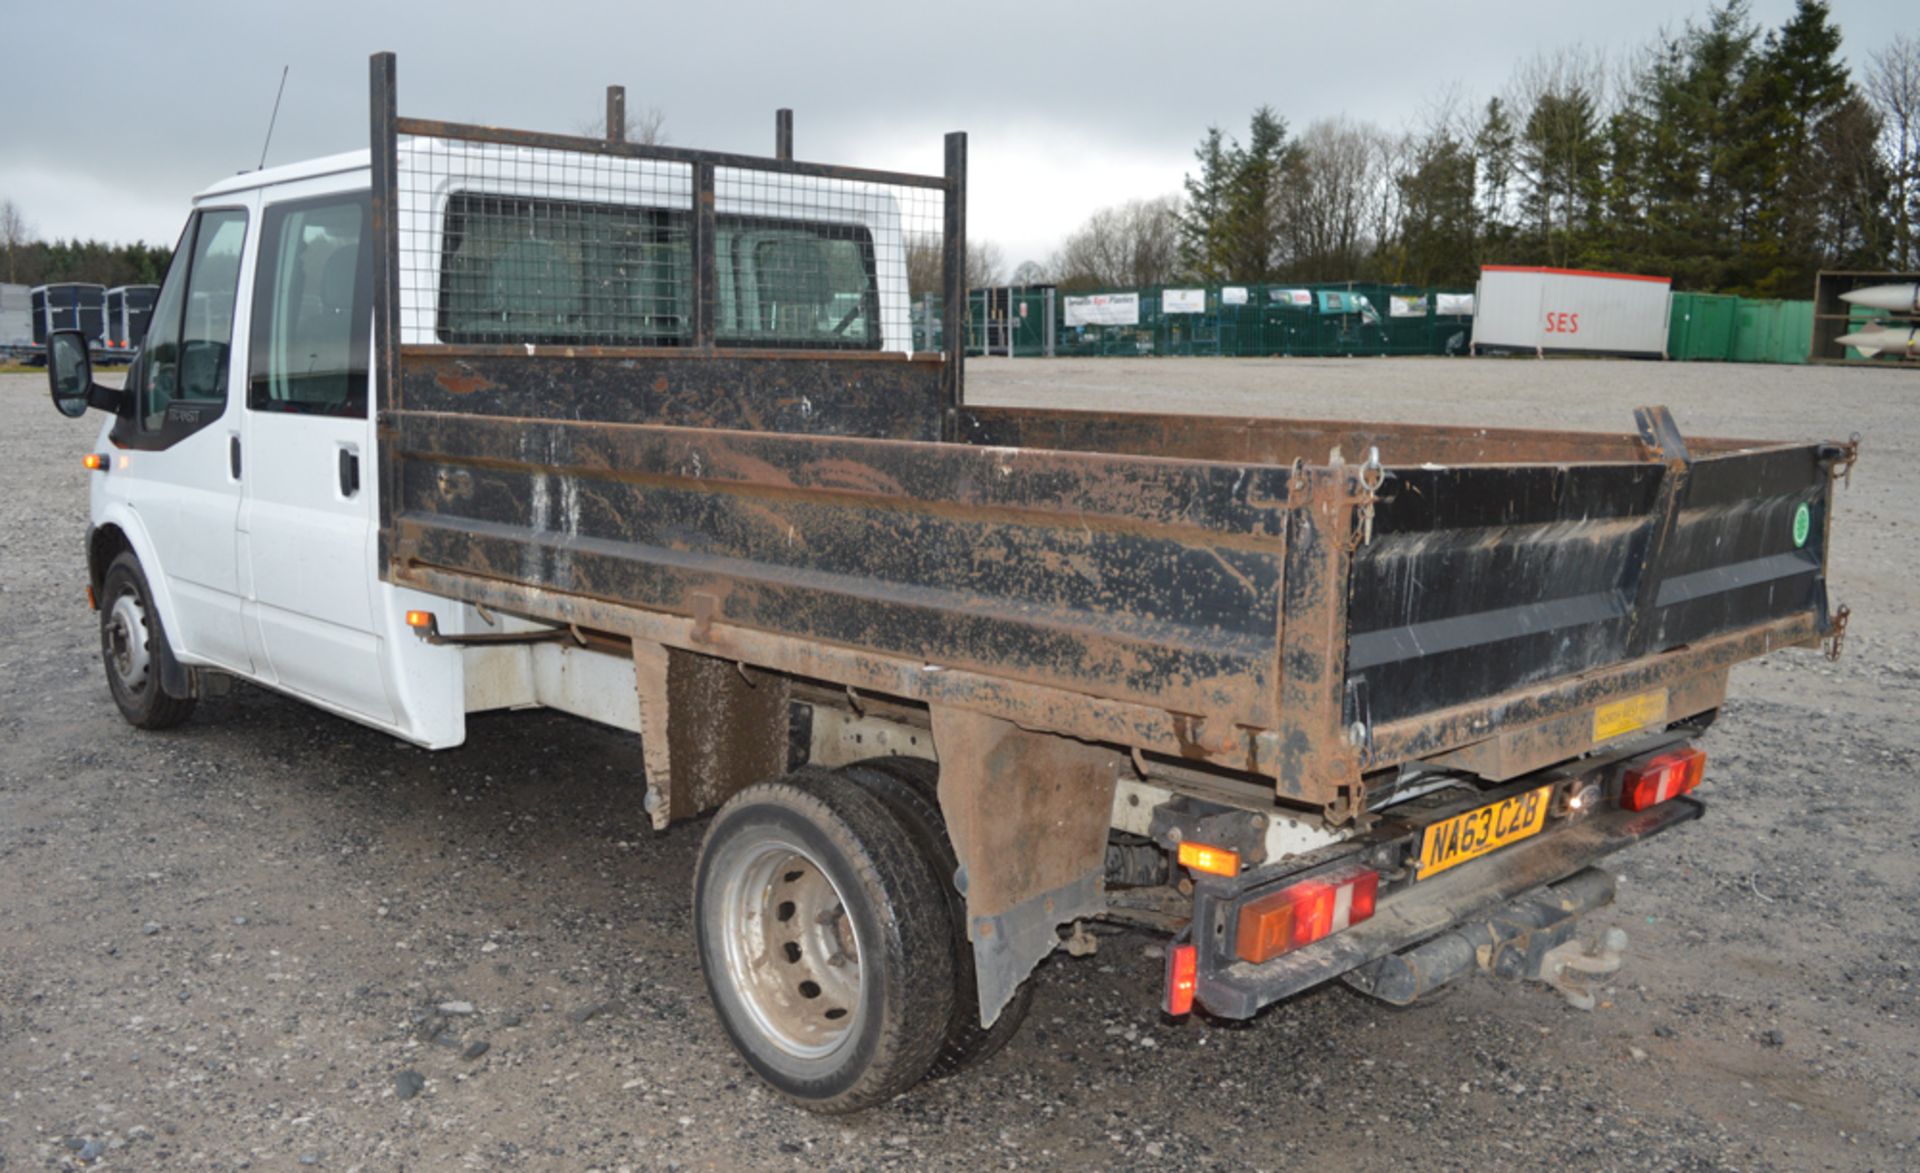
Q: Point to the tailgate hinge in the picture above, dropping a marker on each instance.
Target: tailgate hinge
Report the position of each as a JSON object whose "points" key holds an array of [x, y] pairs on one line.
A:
{"points": [[1840, 458]]}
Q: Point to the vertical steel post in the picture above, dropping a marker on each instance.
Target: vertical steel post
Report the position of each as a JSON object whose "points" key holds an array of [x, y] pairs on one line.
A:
{"points": [[704, 269], [783, 134], [1047, 324], [616, 114], [954, 283], [384, 147]]}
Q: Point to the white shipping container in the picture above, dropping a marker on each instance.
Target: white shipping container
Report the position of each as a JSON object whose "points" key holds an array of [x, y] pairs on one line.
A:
{"points": [[16, 316], [1542, 310]]}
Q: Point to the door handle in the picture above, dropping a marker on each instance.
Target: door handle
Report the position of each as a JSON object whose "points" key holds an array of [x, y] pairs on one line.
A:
{"points": [[233, 456], [349, 473]]}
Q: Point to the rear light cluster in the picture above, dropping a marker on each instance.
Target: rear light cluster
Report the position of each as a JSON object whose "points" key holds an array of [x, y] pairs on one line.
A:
{"points": [[1661, 777], [1183, 965], [1303, 913], [1279, 922]]}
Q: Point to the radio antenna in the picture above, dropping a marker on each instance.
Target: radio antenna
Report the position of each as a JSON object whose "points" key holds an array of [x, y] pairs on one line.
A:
{"points": [[276, 115]]}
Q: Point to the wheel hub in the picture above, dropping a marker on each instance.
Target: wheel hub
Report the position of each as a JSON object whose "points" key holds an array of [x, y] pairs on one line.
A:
{"points": [[127, 639], [792, 951]]}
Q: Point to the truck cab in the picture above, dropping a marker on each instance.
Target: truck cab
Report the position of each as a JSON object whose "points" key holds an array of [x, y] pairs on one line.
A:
{"points": [[238, 470], [231, 474]]}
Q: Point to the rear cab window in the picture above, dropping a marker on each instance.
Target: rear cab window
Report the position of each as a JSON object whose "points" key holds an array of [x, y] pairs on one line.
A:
{"points": [[312, 308], [561, 272]]}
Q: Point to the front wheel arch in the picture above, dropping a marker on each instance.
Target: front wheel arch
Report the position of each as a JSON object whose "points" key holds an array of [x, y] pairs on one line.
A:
{"points": [[104, 544]]}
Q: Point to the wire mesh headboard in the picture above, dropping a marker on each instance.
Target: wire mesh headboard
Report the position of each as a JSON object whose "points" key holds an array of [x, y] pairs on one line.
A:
{"points": [[496, 239]]}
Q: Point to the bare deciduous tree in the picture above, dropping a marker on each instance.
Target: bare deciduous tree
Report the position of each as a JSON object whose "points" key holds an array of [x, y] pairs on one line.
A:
{"points": [[1333, 200], [648, 127], [1136, 243], [14, 234], [985, 264], [1031, 273], [1893, 86]]}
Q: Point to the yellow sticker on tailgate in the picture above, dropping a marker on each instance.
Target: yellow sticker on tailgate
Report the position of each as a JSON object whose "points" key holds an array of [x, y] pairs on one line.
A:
{"points": [[1629, 714]]}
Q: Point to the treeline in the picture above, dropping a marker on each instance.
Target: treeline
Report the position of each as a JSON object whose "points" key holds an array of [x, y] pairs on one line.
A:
{"points": [[26, 260], [1728, 157], [41, 262]]}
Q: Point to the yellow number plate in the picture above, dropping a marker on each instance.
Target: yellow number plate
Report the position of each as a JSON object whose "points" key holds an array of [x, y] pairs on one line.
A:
{"points": [[1472, 835], [1625, 716]]}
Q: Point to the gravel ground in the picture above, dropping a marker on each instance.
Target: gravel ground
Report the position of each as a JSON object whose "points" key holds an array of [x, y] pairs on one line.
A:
{"points": [[254, 942]]}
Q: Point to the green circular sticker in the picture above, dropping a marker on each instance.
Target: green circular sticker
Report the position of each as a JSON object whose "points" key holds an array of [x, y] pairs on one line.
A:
{"points": [[1802, 524]]}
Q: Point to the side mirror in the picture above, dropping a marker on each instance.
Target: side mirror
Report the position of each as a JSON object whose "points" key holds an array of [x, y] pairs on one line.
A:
{"points": [[70, 376]]}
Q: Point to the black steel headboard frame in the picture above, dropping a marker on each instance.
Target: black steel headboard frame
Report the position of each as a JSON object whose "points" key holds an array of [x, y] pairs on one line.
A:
{"points": [[388, 127]]}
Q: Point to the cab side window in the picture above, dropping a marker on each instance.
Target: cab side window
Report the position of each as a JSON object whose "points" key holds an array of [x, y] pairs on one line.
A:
{"points": [[313, 308], [191, 334]]}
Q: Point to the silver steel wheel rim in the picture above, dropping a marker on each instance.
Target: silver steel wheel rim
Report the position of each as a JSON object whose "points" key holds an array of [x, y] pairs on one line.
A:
{"points": [[792, 951], [127, 650]]}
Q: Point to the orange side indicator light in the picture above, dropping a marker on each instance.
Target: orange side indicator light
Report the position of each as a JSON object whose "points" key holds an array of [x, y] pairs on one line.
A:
{"points": [[419, 619], [95, 462], [1215, 861]]}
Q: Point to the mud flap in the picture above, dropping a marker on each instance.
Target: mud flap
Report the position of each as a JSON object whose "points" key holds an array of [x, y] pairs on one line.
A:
{"points": [[1028, 814], [709, 728]]}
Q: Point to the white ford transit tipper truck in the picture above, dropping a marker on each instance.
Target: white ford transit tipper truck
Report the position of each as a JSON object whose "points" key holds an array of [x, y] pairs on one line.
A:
{"points": [[485, 418]]}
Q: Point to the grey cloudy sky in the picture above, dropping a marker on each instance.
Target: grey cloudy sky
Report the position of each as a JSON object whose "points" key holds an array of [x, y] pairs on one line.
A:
{"points": [[117, 112]]}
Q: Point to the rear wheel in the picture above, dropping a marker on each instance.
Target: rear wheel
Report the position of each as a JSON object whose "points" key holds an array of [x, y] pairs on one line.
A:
{"points": [[821, 932], [911, 787], [132, 644]]}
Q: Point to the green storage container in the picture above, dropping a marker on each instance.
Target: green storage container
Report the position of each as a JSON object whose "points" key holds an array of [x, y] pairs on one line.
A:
{"points": [[1715, 327], [1701, 327], [1796, 332]]}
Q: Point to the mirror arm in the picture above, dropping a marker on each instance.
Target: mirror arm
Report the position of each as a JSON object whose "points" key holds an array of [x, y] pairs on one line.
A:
{"points": [[108, 399]]}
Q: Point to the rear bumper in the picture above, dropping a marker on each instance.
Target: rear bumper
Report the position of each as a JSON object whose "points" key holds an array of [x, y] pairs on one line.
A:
{"points": [[1232, 988]]}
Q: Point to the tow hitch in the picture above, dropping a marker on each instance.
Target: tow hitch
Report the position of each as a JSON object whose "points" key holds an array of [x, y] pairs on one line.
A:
{"points": [[1530, 939]]}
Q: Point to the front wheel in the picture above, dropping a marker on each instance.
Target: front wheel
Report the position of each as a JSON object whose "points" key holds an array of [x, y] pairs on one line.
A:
{"points": [[823, 936], [132, 643]]}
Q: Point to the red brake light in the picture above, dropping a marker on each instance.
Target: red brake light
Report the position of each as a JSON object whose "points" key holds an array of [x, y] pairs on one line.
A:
{"points": [[1661, 777], [1183, 963], [1303, 913]]}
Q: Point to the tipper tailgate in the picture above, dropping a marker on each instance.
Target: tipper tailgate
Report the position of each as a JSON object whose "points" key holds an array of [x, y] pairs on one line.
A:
{"points": [[1483, 580]]}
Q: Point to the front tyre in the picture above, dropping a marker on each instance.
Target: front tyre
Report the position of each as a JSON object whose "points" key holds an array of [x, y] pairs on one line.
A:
{"points": [[132, 643], [822, 931]]}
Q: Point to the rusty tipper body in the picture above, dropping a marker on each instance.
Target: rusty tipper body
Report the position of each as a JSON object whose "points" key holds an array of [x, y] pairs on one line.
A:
{"points": [[675, 440]]}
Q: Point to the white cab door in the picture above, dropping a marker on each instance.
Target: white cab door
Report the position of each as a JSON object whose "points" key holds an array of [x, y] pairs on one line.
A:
{"points": [[307, 519], [179, 461]]}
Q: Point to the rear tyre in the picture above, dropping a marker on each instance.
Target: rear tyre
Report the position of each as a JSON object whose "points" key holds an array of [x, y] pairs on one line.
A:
{"points": [[132, 645], [910, 786], [821, 929]]}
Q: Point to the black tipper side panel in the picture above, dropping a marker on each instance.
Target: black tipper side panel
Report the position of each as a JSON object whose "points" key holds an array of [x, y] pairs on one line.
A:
{"points": [[1733, 560], [1126, 578], [1482, 580]]}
